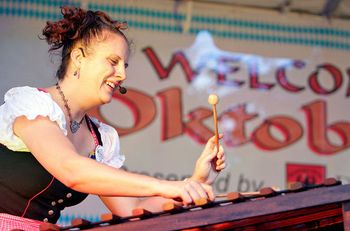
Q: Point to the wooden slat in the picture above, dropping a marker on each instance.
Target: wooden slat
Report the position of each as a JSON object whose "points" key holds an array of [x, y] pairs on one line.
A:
{"points": [[172, 207], [141, 213], [109, 217], [80, 222], [201, 202]]}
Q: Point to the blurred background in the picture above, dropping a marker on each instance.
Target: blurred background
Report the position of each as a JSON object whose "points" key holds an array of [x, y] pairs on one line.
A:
{"points": [[280, 68]]}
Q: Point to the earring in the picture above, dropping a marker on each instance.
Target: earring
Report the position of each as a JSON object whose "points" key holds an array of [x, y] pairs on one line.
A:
{"points": [[76, 73]]}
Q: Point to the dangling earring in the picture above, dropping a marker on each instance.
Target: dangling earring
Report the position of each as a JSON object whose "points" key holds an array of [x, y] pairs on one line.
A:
{"points": [[76, 73]]}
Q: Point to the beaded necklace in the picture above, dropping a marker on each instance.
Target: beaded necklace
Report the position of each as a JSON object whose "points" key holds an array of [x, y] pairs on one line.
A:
{"points": [[74, 125]]}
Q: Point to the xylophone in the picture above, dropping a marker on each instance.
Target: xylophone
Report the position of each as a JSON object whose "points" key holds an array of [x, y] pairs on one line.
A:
{"points": [[323, 206]]}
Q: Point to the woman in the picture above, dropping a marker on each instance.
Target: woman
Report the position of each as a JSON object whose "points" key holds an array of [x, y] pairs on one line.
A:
{"points": [[53, 154]]}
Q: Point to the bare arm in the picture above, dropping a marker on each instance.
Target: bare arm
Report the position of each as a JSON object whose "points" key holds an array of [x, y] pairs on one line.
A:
{"points": [[205, 171], [123, 206], [58, 156]]}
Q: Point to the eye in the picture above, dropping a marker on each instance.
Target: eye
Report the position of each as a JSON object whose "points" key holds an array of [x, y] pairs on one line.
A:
{"points": [[114, 61], [126, 65]]}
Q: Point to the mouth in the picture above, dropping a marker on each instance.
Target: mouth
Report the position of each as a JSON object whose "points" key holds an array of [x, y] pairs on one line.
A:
{"points": [[112, 85]]}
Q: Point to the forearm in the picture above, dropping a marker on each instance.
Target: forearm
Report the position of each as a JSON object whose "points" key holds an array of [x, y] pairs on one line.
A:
{"points": [[124, 206], [86, 175]]}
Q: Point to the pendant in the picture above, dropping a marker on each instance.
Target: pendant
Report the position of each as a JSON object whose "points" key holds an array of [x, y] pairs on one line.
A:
{"points": [[99, 152], [74, 126]]}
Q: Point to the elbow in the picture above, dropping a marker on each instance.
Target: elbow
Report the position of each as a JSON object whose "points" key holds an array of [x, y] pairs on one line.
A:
{"points": [[69, 182], [70, 176]]}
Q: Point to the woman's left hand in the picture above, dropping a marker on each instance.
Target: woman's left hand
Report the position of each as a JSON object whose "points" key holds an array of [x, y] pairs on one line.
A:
{"points": [[210, 163]]}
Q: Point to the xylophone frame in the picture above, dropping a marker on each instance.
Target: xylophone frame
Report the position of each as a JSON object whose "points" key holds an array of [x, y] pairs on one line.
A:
{"points": [[313, 209]]}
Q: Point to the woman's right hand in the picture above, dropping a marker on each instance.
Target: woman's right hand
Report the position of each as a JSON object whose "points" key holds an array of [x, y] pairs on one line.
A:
{"points": [[187, 191]]}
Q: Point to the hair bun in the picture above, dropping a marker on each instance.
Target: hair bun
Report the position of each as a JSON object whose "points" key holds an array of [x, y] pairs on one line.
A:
{"points": [[76, 24], [58, 33]]}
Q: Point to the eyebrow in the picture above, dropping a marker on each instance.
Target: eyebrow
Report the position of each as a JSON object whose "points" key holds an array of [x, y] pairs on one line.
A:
{"points": [[114, 56]]}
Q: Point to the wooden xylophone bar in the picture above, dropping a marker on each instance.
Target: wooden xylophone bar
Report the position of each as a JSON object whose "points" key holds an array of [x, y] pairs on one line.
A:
{"points": [[269, 192], [308, 209]]}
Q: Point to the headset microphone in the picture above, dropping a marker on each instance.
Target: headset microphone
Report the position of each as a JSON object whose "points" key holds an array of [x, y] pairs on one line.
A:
{"points": [[122, 90]]}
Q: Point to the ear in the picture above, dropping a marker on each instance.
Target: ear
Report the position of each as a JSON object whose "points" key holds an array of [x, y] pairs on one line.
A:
{"points": [[76, 56]]}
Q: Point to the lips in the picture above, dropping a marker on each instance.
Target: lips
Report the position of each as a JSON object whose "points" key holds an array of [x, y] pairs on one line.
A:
{"points": [[111, 84]]}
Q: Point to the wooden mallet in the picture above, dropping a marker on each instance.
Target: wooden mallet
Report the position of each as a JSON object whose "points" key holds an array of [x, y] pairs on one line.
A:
{"points": [[213, 100]]}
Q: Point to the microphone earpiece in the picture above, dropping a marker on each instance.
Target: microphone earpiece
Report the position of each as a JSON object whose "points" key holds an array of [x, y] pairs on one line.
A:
{"points": [[122, 90]]}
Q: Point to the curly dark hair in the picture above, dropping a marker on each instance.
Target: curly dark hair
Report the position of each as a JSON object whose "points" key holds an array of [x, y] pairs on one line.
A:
{"points": [[78, 26]]}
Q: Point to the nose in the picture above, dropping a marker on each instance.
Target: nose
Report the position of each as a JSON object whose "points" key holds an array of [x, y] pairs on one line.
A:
{"points": [[120, 71]]}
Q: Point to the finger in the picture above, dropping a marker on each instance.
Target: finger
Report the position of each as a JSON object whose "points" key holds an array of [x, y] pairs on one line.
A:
{"points": [[220, 163], [200, 191], [210, 156], [221, 160], [211, 143], [209, 152], [193, 191], [221, 156], [220, 152], [213, 138], [220, 167], [186, 198], [209, 191]]}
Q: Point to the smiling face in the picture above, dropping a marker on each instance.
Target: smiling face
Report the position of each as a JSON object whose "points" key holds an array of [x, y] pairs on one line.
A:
{"points": [[103, 68]]}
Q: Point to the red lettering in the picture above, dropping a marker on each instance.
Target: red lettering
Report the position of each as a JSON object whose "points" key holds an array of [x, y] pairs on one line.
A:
{"points": [[195, 127], [336, 77], [140, 104], [316, 116], [238, 116], [282, 77], [290, 129], [221, 76], [253, 69], [171, 113], [163, 72]]}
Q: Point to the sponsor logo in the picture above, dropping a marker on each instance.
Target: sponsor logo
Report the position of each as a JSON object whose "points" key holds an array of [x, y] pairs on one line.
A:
{"points": [[305, 173]]}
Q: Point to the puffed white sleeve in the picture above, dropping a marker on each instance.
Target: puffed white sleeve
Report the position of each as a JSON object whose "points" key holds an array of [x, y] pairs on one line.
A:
{"points": [[110, 153], [29, 102]]}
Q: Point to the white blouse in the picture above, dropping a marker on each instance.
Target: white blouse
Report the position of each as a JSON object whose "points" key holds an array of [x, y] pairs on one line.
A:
{"points": [[31, 102]]}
